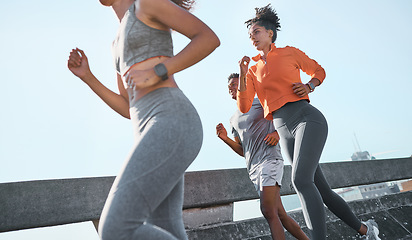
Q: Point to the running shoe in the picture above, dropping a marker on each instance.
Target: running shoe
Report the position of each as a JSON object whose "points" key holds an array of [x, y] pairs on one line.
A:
{"points": [[373, 231]]}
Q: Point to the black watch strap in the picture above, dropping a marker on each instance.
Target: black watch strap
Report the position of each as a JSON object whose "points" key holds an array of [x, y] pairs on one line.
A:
{"points": [[311, 86]]}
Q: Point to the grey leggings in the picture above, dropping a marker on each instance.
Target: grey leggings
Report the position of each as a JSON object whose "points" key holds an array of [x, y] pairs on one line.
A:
{"points": [[303, 131], [146, 199]]}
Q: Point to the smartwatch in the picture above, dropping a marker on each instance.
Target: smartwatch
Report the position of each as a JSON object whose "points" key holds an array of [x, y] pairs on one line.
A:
{"points": [[161, 71], [311, 86]]}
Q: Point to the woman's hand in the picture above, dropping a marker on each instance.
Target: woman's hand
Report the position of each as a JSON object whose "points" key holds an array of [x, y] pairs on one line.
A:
{"points": [[300, 89], [78, 64], [244, 65], [272, 138], [221, 132], [165, 14], [138, 79]]}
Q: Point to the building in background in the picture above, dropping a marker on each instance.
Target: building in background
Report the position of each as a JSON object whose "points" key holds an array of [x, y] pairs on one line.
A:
{"points": [[406, 186], [368, 191]]}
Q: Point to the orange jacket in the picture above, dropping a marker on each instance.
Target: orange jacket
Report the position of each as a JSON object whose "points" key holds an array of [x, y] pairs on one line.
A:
{"points": [[272, 81]]}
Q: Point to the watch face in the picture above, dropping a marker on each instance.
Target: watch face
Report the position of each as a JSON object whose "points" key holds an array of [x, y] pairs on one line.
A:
{"points": [[161, 71]]}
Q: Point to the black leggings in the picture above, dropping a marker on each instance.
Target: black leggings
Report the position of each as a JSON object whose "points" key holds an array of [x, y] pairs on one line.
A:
{"points": [[303, 131]]}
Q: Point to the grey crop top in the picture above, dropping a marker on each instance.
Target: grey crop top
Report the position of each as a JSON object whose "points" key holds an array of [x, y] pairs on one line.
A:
{"points": [[136, 42]]}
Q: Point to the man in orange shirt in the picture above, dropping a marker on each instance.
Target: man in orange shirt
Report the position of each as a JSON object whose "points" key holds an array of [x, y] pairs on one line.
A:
{"points": [[302, 128]]}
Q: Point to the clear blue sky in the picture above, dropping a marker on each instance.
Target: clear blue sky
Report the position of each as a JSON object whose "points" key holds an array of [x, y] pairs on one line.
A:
{"points": [[53, 126]]}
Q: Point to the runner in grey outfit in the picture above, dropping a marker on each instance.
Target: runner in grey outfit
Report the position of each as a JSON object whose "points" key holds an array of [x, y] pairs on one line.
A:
{"points": [[256, 140], [145, 201], [264, 161]]}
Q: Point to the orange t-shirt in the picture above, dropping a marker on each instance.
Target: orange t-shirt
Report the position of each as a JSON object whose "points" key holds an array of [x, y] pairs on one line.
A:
{"points": [[272, 81]]}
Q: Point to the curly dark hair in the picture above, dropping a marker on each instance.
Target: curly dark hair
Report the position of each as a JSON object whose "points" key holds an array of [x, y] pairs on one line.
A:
{"points": [[267, 18], [185, 4], [233, 75]]}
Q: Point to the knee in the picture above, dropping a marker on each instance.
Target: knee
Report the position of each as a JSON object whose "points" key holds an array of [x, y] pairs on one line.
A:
{"points": [[112, 231], [107, 231], [283, 216], [268, 211], [300, 183]]}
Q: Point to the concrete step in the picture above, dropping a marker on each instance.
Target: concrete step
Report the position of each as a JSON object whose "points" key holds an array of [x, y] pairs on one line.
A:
{"points": [[393, 213]]}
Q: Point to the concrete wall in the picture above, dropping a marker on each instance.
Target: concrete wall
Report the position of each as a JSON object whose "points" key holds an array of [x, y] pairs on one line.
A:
{"points": [[209, 195]]}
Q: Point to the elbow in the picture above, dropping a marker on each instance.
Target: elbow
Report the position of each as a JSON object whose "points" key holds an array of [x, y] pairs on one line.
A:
{"points": [[243, 103], [214, 41], [125, 115], [206, 39], [243, 108], [321, 75]]}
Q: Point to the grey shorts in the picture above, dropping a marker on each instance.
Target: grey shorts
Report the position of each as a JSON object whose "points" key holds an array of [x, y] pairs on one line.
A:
{"points": [[268, 173]]}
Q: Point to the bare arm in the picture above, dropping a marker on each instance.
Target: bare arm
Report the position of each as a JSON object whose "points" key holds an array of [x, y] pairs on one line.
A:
{"points": [[235, 145], [79, 66], [203, 40]]}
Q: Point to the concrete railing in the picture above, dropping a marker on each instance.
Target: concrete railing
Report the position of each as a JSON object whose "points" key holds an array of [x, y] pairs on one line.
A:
{"points": [[208, 200]]}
